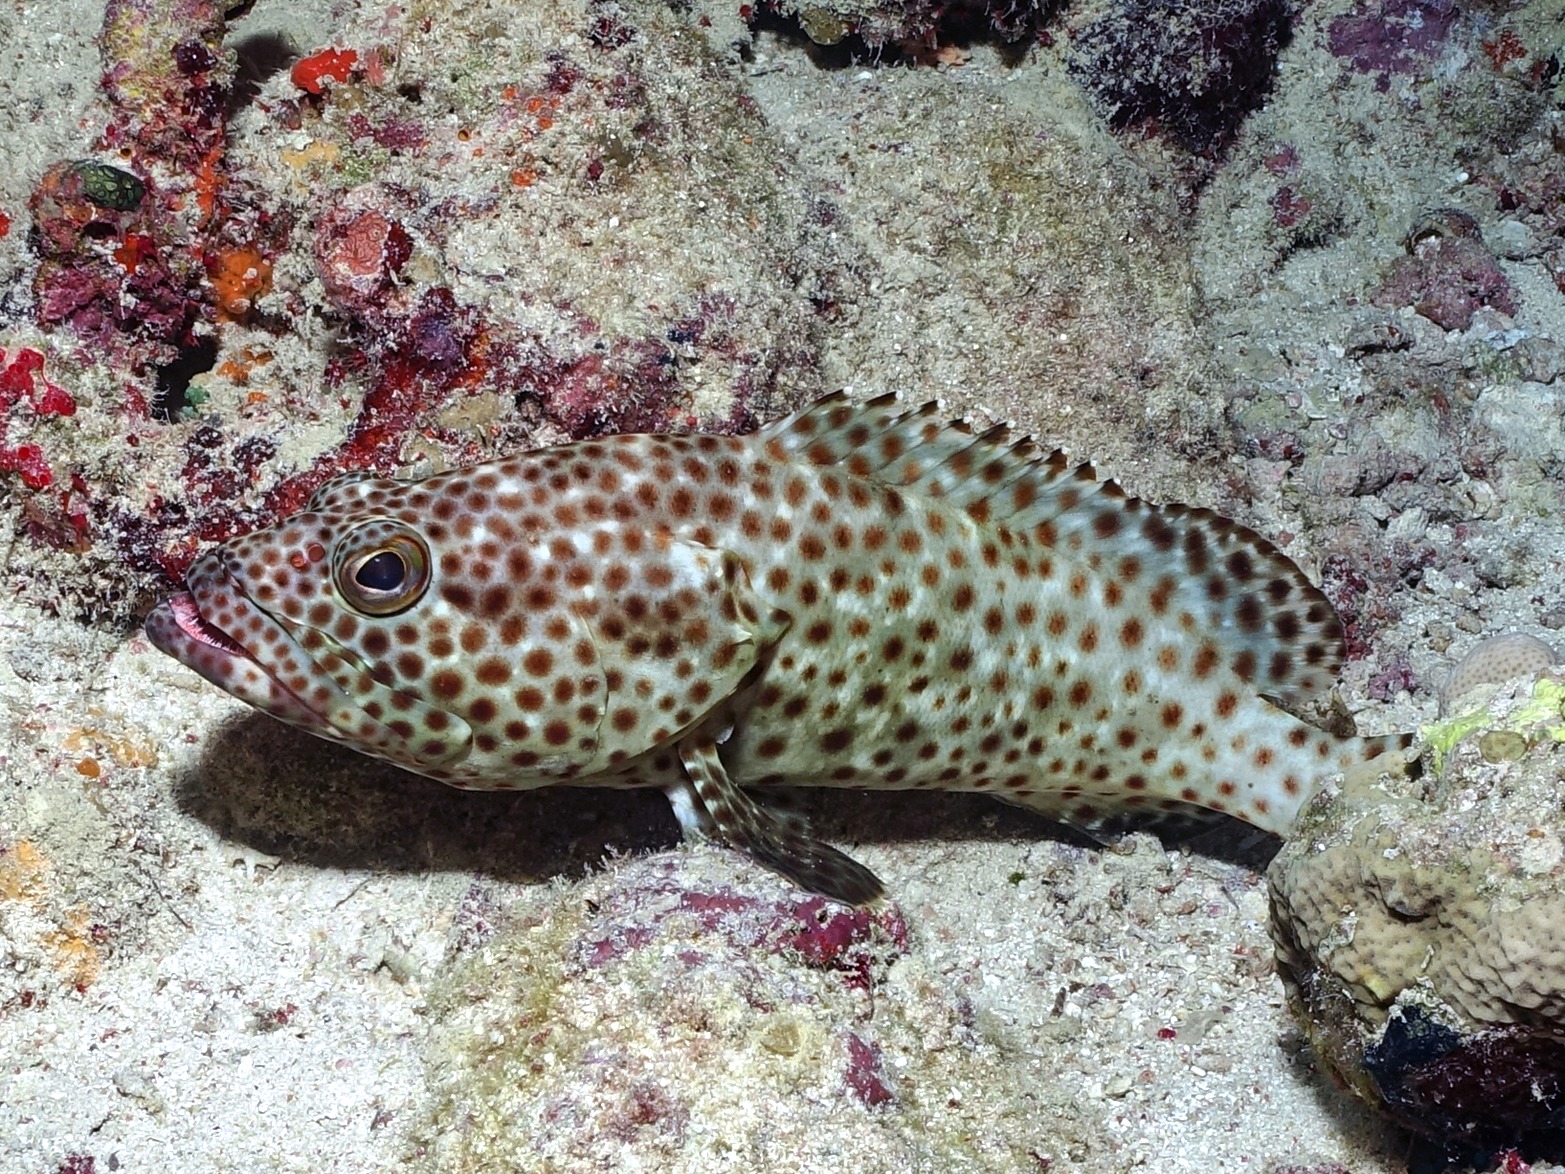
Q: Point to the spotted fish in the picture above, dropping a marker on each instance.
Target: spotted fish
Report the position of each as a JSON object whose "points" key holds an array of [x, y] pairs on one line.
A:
{"points": [[856, 596]]}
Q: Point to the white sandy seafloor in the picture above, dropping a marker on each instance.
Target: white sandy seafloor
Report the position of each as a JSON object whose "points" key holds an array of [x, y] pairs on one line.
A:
{"points": [[391, 975]]}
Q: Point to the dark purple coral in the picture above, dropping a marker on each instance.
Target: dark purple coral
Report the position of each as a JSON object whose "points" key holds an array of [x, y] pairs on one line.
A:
{"points": [[1483, 1093], [1191, 72]]}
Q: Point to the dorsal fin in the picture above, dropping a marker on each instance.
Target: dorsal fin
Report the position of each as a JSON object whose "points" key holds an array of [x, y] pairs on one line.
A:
{"points": [[1278, 631], [918, 448]]}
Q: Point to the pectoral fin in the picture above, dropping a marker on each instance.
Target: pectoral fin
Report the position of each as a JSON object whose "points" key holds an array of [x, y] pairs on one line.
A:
{"points": [[675, 646], [780, 843]]}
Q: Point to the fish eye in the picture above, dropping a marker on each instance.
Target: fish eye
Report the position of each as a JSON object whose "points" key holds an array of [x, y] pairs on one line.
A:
{"points": [[389, 576], [385, 570]]}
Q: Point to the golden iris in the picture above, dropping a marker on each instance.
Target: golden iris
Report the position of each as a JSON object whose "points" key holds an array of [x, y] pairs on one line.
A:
{"points": [[387, 578]]}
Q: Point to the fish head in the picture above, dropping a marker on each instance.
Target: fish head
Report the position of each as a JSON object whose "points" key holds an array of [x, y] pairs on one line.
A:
{"points": [[508, 625], [404, 621]]}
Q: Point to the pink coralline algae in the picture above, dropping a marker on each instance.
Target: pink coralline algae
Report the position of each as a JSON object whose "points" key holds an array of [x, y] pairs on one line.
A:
{"points": [[630, 388], [1346, 586], [394, 134], [854, 943], [865, 1075], [1395, 678], [833, 937], [1288, 207], [1392, 36], [1447, 279], [1366, 585], [418, 346], [105, 269], [634, 385], [25, 391]]}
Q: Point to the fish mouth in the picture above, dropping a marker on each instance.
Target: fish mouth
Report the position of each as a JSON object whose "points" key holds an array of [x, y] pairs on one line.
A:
{"points": [[187, 617], [180, 627], [214, 629]]}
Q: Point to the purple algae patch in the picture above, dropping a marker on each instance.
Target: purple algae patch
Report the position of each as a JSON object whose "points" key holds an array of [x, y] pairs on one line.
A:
{"points": [[854, 943], [1397, 676], [618, 942], [1288, 207], [1446, 280], [833, 937], [1393, 36], [865, 1075]]}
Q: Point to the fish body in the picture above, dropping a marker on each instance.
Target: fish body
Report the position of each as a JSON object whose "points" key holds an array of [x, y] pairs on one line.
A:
{"points": [[858, 595]]}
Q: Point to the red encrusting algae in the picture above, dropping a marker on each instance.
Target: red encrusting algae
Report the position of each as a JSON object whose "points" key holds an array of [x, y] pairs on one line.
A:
{"points": [[22, 381], [310, 73]]}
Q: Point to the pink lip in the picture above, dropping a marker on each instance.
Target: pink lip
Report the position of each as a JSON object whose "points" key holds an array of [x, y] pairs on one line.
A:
{"points": [[175, 626], [187, 615], [258, 659], [178, 627]]}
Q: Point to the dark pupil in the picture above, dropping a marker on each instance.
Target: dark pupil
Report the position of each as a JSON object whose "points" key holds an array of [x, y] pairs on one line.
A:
{"points": [[382, 572]]}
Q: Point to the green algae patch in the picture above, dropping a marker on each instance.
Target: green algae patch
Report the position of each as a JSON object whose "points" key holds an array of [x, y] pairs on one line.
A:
{"points": [[1442, 737], [1537, 719], [509, 993], [1547, 710]]}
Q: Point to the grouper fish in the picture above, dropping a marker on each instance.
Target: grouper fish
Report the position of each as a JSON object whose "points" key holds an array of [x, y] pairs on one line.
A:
{"points": [[859, 595]]}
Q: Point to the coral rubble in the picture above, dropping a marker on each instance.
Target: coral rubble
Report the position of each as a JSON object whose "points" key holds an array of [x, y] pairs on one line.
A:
{"points": [[536, 244], [573, 1039]]}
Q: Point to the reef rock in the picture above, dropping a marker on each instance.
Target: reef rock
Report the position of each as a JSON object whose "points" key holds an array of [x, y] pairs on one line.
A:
{"points": [[1418, 930]]}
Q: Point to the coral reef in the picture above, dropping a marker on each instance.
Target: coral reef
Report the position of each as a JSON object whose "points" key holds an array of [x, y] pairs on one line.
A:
{"points": [[1391, 36], [410, 237], [107, 267], [337, 283], [569, 1040], [1446, 279], [167, 76], [915, 28], [654, 295], [1190, 72], [1417, 933], [1401, 405]]}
